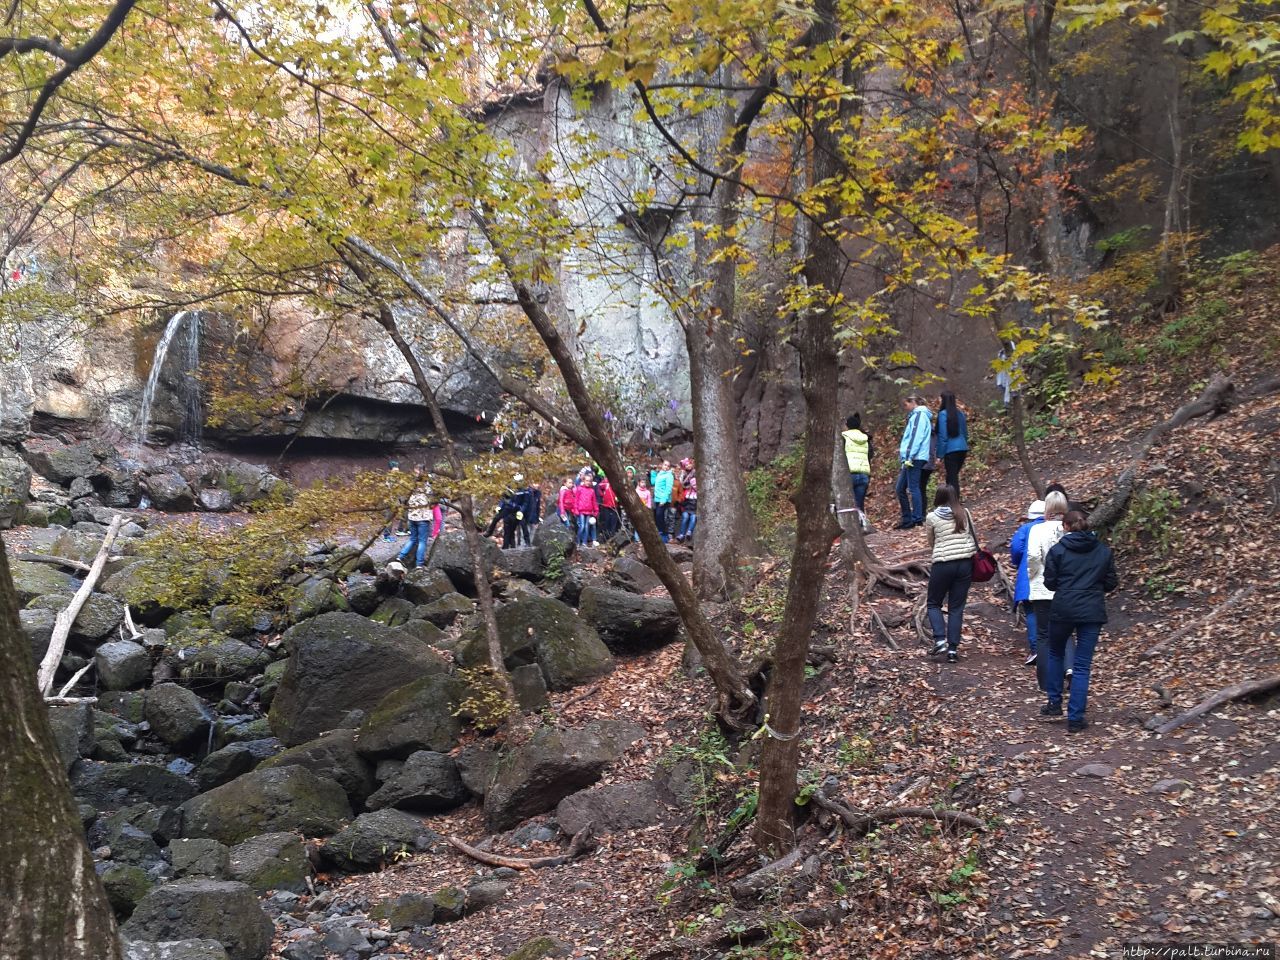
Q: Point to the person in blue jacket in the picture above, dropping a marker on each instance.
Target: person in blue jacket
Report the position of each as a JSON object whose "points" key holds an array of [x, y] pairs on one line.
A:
{"points": [[952, 438], [913, 452], [1022, 583], [1080, 570], [663, 486]]}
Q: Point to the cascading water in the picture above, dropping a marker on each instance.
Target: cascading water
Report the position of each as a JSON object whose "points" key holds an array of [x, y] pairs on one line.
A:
{"points": [[188, 386]]}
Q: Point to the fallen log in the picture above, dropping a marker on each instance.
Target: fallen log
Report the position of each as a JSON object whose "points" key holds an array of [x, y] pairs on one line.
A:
{"points": [[56, 561], [583, 843], [1237, 691], [66, 617], [1237, 598]]}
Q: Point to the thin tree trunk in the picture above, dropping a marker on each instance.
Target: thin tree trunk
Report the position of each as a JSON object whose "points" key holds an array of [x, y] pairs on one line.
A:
{"points": [[52, 906], [819, 385], [1017, 422]]}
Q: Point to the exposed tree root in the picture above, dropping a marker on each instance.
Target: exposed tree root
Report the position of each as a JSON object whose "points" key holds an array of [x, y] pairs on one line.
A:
{"points": [[862, 823], [881, 629], [1237, 691], [582, 844]]}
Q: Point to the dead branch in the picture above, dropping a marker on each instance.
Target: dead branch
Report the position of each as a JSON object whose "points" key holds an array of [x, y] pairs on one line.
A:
{"points": [[1237, 691], [583, 843], [1244, 593], [68, 701], [920, 615], [56, 561], [862, 823], [65, 618], [75, 678], [754, 884]]}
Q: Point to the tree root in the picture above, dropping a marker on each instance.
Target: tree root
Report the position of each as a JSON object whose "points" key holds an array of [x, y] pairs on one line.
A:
{"points": [[582, 844], [862, 823], [1237, 691], [881, 629], [1244, 593]]}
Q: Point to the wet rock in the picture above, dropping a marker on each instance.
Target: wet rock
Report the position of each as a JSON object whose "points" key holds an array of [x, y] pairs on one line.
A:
{"points": [[534, 777], [341, 662], [427, 782], [220, 910], [272, 861], [419, 716], [267, 801], [375, 839], [122, 665]]}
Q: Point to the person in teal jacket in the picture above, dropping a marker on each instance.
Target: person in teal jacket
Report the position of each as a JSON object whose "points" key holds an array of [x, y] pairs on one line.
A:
{"points": [[663, 483], [951, 441], [913, 452]]}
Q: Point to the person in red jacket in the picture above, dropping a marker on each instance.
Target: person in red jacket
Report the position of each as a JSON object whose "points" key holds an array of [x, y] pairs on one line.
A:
{"points": [[609, 522], [564, 504], [587, 509]]}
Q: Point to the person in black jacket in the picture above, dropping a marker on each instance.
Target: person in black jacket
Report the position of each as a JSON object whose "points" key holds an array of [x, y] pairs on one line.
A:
{"points": [[1080, 570]]}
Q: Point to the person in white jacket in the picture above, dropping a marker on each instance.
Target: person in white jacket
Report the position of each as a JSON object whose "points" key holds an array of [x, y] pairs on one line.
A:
{"points": [[1040, 541]]}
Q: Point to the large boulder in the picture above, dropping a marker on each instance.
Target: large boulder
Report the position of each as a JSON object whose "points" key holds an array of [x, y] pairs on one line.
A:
{"points": [[169, 491], [247, 482], [15, 489], [221, 910], [177, 716], [339, 663], [363, 595], [133, 584], [627, 622], [200, 858], [267, 801], [38, 626], [451, 555], [417, 716], [532, 778], [210, 655], [428, 782], [546, 632], [60, 462], [109, 786], [333, 757], [444, 611], [314, 596], [97, 619], [630, 574], [272, 861], [234, 760], [613, 808], [375, 839], [521, 562], [122, 665], [425, 586], [72, 725], [554, 543], [32, 580]]}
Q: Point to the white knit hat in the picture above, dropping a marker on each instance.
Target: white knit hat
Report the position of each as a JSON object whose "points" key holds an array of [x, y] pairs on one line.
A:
{"points": [[1036, 510]]}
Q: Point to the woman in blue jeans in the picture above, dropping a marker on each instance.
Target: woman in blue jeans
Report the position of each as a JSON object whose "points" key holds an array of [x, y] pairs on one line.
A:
{"points": [[1080, 570]]}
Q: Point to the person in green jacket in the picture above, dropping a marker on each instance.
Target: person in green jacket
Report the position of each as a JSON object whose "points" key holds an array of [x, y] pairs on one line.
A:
{"points": [[857, 451]]}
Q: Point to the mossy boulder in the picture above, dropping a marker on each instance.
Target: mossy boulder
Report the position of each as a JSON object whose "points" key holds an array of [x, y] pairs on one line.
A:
{"points": [[33, 580], [417, 716], [376, 839], [334, 757], [314, 597], [545, 632], [221, 910], [339, 663], [392, 612], [267, 801], [425, 586], [405, 912], [444, 611], [98, 618], [208, 654], [272, 861], [627, 622], [125, 885], [178, 717]]}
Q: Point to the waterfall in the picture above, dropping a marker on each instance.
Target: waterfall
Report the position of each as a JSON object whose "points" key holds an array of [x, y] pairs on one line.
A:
{"points": [[188, 385]]}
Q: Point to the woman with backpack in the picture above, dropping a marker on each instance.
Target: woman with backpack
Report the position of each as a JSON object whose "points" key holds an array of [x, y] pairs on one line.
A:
{"points": [[1080, 570], [949, 533]]}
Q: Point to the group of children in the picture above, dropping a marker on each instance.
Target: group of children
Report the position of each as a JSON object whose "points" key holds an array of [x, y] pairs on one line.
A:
{"points": [[588, 505]]}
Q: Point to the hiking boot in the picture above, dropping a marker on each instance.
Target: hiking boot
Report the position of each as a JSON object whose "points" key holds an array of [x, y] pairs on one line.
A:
{"points": [[1077, 726], [904, 525], [1031, 659], [1051, 710], [938, 647], [952, 656]]}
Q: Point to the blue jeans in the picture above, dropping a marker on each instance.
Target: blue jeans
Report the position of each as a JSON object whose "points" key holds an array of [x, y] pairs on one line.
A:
{"points": [[586, 530], [688, 522], [419, 539], [1029, 612], [909, 487], [860, 483], [1086, 635]]}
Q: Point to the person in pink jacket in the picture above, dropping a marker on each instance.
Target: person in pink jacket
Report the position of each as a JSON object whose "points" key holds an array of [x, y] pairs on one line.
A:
{"points": [[587, 509]]}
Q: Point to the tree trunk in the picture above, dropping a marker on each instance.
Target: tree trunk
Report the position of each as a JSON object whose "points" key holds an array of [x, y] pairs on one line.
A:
{"points": [[52, 906], [1018, 425], [819, 385]]}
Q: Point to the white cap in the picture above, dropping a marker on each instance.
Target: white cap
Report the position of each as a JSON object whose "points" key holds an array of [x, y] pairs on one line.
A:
{"points": [[519, 477], [1036, 510]]}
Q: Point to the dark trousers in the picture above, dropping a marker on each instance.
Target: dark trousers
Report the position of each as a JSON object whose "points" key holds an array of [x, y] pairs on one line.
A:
{"points": [[608, 522], [949, 580], [509, 526], [952, 463]]}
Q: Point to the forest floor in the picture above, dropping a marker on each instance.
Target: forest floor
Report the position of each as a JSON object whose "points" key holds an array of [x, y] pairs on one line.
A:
{"points": [[1116, 835]]}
